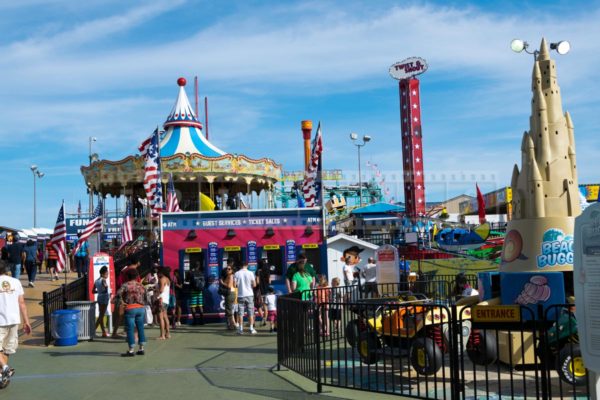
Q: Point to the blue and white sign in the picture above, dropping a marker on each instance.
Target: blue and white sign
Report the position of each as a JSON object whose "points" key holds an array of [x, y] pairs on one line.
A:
{"points": [[112, 227], [557, 249], [213, 259], [290, 251], [252, 255]]}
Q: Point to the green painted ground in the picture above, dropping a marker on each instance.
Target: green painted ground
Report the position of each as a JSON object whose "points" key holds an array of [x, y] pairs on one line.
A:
{"points": [[204, 362]]}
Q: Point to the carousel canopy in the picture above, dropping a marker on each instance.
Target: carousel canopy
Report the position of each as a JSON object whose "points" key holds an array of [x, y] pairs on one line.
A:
{"points": [[184, 131]]}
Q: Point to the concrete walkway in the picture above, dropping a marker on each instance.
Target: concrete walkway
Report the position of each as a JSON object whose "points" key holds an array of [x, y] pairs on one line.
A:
{"points": [[205, 362]]}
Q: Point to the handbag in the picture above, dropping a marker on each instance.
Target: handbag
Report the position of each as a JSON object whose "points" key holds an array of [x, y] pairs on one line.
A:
{"points": [[223, 290], [149, 317]]}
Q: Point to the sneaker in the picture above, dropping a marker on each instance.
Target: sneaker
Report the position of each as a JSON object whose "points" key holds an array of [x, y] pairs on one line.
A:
{"points": [[31, 284], [240, 331], [252, 331], [128, 354], [140, 352]]}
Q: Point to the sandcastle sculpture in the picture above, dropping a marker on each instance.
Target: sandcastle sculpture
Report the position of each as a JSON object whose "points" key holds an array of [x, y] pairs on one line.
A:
{"points": [[545, 190]]}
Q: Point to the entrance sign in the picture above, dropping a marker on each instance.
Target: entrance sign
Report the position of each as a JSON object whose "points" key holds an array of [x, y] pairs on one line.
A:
{"points": [[496, 314], [408, 68], [586, 279]]}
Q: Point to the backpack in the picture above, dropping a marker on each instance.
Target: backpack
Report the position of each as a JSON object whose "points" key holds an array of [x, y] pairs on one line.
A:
{"points": [[197, 281]]}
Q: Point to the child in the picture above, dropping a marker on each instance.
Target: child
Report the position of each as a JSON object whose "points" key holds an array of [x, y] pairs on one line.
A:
{"points": [[335, 312], [323, 299], [271, 303], [102, 290]]}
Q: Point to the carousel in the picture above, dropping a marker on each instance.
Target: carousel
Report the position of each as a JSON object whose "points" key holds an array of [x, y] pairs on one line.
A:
{"points": [[205, 177]]}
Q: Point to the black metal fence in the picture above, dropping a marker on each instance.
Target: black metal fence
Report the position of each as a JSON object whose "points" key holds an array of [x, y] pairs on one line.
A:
{"points": [[57, 299], [405, 343]]}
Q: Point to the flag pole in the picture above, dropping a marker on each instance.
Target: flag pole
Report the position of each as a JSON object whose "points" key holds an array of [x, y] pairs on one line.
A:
{"points": [[66, 255]]}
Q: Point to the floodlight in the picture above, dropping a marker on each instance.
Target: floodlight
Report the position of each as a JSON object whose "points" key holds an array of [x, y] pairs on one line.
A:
{"points": [[353, 136], [518, 45], [366, 138], [40, 174], [561, 47]]}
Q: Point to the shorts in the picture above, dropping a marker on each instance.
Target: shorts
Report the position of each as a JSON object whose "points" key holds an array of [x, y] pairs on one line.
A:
{"points": [[196, 299], [335, 314], [246, 304], [50, 263], [272, 316], [9, 338]]}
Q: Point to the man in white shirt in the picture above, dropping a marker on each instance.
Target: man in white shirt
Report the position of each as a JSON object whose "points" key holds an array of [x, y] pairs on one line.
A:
{"points": [[245, 282], [369, 274], [12, 309]]}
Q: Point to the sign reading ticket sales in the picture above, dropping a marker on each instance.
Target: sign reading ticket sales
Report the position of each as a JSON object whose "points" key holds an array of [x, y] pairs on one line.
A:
{"points": [[586, 279]]}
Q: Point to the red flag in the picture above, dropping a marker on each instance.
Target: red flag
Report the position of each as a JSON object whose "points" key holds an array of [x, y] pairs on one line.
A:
{"points": [[480, 205]]}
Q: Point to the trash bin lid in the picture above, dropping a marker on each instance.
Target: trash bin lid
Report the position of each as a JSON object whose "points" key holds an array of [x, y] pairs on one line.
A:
{"points": [[65, 312], [79, 303]]}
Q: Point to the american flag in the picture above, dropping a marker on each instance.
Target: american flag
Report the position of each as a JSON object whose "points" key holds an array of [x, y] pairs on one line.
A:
{"points": [[152, 183], [127, 228], [311, 187], [172, 203], [58, 239], [94, 226]]}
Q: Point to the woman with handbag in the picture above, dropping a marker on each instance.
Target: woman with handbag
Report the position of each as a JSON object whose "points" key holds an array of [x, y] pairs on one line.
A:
{"points": [[133, 296], [227, 290]]}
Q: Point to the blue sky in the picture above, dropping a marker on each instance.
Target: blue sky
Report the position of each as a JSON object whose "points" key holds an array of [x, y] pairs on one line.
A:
{"points": [[108, 69]]}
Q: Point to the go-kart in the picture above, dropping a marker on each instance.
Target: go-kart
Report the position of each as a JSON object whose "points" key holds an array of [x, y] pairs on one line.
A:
{"points": [[563, 352], [408, 321]]}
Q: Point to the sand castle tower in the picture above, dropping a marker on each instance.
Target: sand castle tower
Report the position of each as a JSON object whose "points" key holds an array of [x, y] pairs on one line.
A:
{"points": [[545, 189]]}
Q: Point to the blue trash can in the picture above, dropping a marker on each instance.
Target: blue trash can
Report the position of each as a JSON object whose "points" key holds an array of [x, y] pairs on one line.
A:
{"points": [[65, 326]]}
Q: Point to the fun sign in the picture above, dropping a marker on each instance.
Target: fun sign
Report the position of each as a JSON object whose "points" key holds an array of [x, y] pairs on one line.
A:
{"points": [[408, 68]]}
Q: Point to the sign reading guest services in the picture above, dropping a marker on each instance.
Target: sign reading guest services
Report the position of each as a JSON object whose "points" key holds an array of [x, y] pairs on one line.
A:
{"points": [[408, 68]]}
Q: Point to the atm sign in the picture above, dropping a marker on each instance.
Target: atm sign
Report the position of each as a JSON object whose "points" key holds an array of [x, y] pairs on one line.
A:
{"points": [[496, 314]]}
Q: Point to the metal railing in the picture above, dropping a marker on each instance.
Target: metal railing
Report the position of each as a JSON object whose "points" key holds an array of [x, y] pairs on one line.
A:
{"points": [[407, 344], [57, 299]]}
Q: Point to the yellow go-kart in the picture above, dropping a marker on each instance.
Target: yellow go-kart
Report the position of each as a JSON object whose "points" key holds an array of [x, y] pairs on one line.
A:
{"points": [[407, 322]]}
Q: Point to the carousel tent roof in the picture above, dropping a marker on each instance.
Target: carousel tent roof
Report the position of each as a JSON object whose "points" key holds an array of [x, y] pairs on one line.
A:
{"points": [[184, 131]]}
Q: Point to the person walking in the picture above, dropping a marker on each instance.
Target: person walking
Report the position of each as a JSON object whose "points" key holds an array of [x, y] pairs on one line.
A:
{"points": [[13, 312], [196, 298], [245, 282], [263, 280], [132, 295], [302, 283], [369, 274], [51, 261], [30, 261], [227, 290], [178, 292], [15, 254], [81, 257], [134, 264], [162, 301], [271, 303], [292, 269], [102, 290]]}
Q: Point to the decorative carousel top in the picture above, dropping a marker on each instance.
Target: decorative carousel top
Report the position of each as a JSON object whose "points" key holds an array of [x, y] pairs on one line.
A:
{"points": [[188, 156], [184, 131]]}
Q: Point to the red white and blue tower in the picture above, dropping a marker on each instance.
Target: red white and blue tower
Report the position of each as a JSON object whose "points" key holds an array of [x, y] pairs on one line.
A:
{"points": [[412, 143]]}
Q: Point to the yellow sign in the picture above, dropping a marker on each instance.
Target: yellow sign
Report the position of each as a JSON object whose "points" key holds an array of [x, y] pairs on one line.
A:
{"points": [[310, 246], [233, 248], [193, 250], [496, 314], [271, 247]]}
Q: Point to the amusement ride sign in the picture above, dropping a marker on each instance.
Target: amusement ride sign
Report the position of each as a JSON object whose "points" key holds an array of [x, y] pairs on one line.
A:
{"points": [[408, 68]]}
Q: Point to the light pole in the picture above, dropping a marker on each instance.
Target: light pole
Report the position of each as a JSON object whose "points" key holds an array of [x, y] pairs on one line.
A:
{"points": [[365, 139], [90, 159], [39, 174], [518, 45]]}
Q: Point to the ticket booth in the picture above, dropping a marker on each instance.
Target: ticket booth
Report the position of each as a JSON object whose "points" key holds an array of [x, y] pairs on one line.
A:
{"points": [[313, 255], [189, 257], [273, 253], [233, 252]]}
